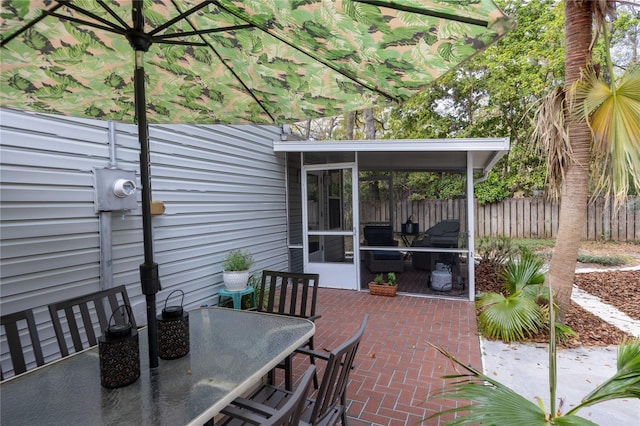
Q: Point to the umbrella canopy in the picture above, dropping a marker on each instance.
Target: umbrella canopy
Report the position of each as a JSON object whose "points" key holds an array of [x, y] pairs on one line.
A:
{"points": [[234, 61], [223, 61]]}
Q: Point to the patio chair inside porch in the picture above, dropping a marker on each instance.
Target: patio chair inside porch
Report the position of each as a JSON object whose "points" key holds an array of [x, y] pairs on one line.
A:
{"points": [[381, 260]]}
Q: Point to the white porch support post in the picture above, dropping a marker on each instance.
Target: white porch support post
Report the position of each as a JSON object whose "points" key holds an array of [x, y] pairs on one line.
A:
{"points": [[305, 214], [471, 230], [392, 203]]}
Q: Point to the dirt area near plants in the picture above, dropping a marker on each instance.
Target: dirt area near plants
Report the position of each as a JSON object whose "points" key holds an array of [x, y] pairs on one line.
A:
{"points": [[629, 252], [615, 287]]}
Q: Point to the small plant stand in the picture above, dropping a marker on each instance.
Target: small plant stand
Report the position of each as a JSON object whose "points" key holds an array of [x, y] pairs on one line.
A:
{"points": [[237, 296]]}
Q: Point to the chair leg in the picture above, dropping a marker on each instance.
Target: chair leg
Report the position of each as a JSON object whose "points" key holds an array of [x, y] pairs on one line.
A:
{"points": [[288, 373], [271, 377], [312, 359], [344, 410]]}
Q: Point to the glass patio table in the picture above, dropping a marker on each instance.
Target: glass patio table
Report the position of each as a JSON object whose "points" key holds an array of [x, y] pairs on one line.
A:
{"points": [[230, 351]]}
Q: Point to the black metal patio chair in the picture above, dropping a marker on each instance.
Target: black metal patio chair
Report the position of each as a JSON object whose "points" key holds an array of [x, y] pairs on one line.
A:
{"points": [[327, 406], [93, 311], [292, 294], [245, 411], [11, 324]]}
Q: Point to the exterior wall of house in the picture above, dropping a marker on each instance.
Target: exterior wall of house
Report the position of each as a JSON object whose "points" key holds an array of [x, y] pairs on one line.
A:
{"points": [[223, 188], [294, 208]]}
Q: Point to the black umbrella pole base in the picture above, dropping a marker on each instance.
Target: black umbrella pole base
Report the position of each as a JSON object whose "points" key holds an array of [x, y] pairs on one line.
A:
{"points": [[149, 278], [150, 286]]}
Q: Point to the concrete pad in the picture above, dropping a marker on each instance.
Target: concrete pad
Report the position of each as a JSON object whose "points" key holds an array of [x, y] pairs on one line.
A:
{"points": [[525, 369]]}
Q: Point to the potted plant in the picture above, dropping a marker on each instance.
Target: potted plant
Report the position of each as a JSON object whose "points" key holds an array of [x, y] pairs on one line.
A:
{"points": [[380, 287], [236, 265]]}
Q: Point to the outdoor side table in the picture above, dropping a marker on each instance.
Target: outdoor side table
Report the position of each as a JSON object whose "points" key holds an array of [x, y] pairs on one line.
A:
{"points": [[237, 296]]}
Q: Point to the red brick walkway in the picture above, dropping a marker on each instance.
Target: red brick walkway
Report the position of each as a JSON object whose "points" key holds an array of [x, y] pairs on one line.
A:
{"points": [[396, 369]]}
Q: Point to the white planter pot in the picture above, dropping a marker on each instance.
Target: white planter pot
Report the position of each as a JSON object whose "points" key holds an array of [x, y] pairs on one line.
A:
{"points": [[235, 280]]}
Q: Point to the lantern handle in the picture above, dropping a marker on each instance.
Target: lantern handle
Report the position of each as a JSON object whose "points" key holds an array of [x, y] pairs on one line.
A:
{"points": [[167, 299], [127, 310]]}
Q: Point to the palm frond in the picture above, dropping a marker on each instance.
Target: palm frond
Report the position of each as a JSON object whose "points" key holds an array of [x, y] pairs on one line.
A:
{"points": [[491, 402], [601, 9], [510, 319], [613, 114], [625, 383], [523, 270], [551, 136]]}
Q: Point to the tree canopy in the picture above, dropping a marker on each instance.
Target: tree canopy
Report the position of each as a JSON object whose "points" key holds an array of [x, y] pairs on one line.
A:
{"points": [[494, 94]]}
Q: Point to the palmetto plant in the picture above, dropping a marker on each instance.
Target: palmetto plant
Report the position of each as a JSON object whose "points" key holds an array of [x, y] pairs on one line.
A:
{"points": [[491, 402], [523, 270], [518, 314]]}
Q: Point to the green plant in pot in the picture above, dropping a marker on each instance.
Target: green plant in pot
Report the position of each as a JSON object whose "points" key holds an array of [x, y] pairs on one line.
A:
{"points": [[379, 279], [391, 278], [381, 287], [236, 265]]}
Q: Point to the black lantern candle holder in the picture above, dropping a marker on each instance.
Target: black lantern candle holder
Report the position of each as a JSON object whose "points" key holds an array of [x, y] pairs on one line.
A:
{"points": [[119, 353], [173, 330]]}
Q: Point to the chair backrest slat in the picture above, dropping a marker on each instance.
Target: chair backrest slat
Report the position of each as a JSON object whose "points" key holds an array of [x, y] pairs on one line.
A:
{"points": [[16, 349], [332, 391], [84, 306], [288, 293], [291, 412]]}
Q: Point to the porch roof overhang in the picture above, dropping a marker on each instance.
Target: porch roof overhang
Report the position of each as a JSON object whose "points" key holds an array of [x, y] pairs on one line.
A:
{"points": [[406, 154]]}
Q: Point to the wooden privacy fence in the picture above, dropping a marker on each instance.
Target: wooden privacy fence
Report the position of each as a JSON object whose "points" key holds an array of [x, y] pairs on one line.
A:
{"points": [[514, 217]]}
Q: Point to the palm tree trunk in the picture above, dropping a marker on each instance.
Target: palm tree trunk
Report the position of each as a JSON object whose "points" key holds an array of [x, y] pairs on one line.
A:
{"points": [[578, 20]]}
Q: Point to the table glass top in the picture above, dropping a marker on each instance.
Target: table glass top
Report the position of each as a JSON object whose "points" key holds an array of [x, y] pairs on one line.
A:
{"points": [[230, 351]]}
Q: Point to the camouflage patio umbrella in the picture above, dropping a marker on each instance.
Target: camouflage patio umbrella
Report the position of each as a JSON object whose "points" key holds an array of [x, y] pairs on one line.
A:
{"points": [[225, 61]]}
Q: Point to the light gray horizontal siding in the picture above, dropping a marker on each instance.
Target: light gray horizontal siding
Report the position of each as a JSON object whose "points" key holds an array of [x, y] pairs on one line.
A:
{"points": [[222, 191], [49, 229], [223, 188]]}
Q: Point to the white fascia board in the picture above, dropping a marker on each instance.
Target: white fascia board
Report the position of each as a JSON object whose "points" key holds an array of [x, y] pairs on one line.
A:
{"points": [[494, 159], [395, 145]]}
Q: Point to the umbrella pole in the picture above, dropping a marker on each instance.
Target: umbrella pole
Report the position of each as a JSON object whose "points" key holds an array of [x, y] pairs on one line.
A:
{"points": [[149, 276]]}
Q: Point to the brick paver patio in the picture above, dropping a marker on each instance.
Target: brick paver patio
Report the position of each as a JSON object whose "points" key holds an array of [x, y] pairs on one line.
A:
{"points": [[396, 369]]}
